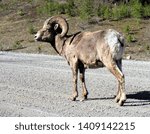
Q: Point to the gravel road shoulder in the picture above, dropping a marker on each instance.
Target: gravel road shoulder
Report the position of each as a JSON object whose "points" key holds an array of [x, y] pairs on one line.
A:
{"points": [[40, 85]]}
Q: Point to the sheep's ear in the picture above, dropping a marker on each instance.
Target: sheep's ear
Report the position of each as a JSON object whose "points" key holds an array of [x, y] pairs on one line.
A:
{"points": [[56, 26]]}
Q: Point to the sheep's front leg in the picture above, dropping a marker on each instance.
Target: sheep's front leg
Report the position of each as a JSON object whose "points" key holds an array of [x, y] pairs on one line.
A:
{"points": [[75, 78], [82, 78]]}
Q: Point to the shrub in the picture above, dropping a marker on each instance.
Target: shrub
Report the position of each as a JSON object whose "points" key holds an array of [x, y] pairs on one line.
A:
{"points": [[31, 29], [86, 10], [3, 7], [107, 13], [129, 38], [21, 12], [136, 9], [127, 29], [17, 45], [71, 8], [124, 11], [115, 13], [49, 8], [146, 11], [101, 10]]}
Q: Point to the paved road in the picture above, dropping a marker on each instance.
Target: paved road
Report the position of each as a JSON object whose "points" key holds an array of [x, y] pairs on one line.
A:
{"points": [[40, 85]]}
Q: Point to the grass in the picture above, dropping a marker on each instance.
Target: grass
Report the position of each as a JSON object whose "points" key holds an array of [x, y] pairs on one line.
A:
{"points": [[52, 8], [127, 29], [1, 47], [31, 29], [147, 48], [39, 49], [3, 7], [21, 12], [130, 38], [17, 45]]}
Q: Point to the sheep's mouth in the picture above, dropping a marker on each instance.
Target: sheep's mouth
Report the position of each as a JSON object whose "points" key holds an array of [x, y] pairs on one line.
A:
{"points": [[40, 39], [37, 39]]}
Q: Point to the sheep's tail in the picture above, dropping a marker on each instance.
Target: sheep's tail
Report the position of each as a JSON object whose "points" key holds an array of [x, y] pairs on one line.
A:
{"points": [[120, 45], [121, 40]]}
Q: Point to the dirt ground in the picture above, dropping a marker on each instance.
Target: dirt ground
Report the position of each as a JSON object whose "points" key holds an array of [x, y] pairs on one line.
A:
{"points": [[17, 31]]}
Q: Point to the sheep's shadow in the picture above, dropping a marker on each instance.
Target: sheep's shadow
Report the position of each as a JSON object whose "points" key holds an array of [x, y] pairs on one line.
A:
{"points": [[142, 95], [104, 98], [139, 99], [134, 99]]}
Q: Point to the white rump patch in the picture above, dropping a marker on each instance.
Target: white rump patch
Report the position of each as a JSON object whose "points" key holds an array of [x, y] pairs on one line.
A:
{"points": [[111, 39]]}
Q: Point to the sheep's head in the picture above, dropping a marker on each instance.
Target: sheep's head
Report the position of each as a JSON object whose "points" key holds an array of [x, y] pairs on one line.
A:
{"points": [[52, 27]]}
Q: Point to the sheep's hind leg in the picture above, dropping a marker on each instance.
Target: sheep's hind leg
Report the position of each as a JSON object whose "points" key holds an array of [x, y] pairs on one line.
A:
{"points": [[122, 93], [116, 71], [117, 98], [82, 78], [121, 96]]}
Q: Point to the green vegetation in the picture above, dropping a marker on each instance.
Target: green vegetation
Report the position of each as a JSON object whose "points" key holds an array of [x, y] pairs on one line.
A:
{"points": [[71, 8], [129, 34], [147, 48], [39, 49], [137, 9], [127, 29], [3, 7], [31, 29], [120, 12], [17, 45], [130, 38], [21, 12], [86, 9], [86, 12], [1, 47], [51, 8], [146, 11]]}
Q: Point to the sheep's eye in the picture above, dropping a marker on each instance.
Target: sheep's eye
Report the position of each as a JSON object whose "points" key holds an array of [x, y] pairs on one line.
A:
{"points": [[49, 30]]}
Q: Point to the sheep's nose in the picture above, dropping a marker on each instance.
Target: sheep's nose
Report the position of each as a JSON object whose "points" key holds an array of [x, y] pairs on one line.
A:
{"points": [[35, 36]]}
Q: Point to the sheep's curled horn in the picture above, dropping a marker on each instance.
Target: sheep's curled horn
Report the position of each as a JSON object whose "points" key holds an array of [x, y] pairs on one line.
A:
{"points": [[62, 23]]}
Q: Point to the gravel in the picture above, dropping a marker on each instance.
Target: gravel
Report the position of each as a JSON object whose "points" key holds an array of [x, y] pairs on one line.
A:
{"points": [[40, 85]]}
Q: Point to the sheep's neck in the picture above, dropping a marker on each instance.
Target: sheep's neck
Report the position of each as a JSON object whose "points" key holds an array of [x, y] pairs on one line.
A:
{"points": [[58, 44]]}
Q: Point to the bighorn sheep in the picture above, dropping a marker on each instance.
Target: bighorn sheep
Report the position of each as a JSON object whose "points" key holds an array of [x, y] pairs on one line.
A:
{"points": [[86, 50]]}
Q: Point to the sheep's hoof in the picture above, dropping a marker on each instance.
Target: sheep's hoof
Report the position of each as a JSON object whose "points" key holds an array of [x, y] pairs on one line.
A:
{"points": [[117, 99], [73, 98], [84, 98], [121, 102]]}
